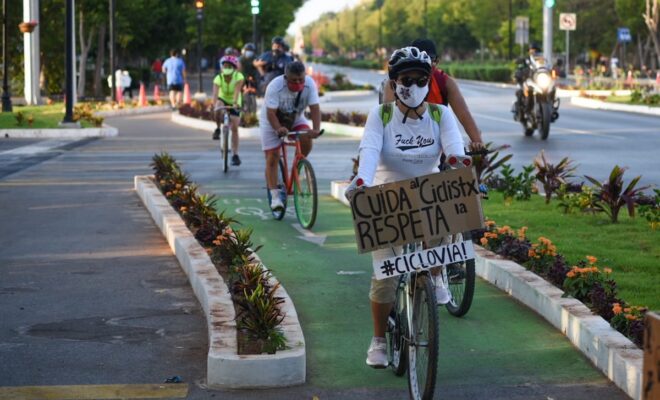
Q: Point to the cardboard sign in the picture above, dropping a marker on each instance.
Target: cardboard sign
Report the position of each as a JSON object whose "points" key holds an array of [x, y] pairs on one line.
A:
{"points": [[424, 259], [651, 374], [425, 208]]}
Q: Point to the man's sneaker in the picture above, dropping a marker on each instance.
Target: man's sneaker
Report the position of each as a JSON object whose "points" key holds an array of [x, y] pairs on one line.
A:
{"points": [[216, 134], [235, 160], [276, 203], [442, 295], [377, 353]]}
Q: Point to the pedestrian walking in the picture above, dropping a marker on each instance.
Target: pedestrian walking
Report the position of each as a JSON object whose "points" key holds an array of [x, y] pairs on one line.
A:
{"points": [[175, 75]]}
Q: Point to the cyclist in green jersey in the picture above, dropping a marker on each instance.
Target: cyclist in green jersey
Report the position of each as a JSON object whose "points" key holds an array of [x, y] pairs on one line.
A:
{"points": [[227, 91]]}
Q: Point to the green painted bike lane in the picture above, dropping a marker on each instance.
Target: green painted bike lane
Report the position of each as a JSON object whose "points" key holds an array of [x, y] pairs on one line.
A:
{"points": [[499, 342]]}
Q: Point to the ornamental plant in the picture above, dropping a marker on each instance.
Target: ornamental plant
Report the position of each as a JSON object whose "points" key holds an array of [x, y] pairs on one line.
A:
{"points": [[582, 278], [486, 165], [612, 195], [232, 253], [552, 176], [519, 187], [584, 281], [629, 321]]}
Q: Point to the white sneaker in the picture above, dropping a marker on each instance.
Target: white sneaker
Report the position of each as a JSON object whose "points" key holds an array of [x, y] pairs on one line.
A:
{"points": [[377, 353], [442, 295], [275, 201]]}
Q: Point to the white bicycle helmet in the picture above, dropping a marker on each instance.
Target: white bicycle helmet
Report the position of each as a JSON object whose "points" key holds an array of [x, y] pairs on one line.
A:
{"points": [[408, 59]]}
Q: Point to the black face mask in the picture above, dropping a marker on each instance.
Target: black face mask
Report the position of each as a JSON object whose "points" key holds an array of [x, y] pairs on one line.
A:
{"points": [[277, 52]]}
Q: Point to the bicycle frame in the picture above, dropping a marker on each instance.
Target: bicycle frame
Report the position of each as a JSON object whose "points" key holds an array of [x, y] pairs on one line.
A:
{"points": [[291, 177]]}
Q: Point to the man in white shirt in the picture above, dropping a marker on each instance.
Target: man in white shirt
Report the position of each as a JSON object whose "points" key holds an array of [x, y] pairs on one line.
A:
{"points": [[285, 101]]}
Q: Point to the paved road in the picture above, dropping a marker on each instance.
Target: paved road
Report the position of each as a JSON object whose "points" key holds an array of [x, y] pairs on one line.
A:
{"points": [[79, 252], [595, 140]]}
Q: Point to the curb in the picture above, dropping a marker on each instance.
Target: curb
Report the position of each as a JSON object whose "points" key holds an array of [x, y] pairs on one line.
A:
{"points": [[602, 105], [210, 126], [611, 352], [133, 111], [343, 129], [225, 368], [104, 131]]}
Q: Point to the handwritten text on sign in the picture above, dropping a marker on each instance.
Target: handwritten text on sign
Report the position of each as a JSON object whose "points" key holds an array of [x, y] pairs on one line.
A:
{"points": [[424, 259], [425, 208]]}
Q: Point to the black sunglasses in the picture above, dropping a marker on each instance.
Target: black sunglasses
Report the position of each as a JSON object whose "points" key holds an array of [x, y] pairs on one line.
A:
{"points": [[408, 81]]}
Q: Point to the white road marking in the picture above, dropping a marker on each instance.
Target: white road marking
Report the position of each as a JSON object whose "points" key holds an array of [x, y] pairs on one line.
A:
{"points": [[36, 148], [309, 236]]}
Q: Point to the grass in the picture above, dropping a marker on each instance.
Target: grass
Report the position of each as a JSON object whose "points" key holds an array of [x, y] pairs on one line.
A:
{"points": [[46, 116], [630, 247], [626, 100]]}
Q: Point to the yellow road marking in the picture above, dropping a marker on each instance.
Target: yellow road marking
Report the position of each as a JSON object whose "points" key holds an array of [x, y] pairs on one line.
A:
{"points": [[179, 390]]}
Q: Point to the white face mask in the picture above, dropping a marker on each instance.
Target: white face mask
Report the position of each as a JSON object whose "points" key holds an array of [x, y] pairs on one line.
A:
{"points": [[412, 96], [249, 53]]}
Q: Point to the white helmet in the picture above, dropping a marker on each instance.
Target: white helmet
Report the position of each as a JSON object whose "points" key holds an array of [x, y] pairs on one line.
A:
{"points": [[408, 59]]}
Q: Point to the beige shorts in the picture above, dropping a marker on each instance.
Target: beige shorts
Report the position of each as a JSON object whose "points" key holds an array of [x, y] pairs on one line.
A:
{"points": [[384, 291]]}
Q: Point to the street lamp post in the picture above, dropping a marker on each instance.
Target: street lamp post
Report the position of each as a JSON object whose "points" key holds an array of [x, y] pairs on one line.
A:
{"points": [[199, 4], [254, 5], [6, 97], [68, 113], [113, 80]]}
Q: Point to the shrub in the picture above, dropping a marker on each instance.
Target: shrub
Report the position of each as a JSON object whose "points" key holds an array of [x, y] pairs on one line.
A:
{"points": [[519, 187], [649, 208], [552, 176], [486, 165], [612, 195]]}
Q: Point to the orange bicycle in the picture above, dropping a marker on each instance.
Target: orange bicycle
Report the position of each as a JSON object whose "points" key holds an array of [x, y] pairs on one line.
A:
{"points": [[300, 182]]}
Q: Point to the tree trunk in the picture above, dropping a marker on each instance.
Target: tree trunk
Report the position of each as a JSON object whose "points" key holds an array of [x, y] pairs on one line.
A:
{"points": [[84, 50], [100, 61], [651, 17]]}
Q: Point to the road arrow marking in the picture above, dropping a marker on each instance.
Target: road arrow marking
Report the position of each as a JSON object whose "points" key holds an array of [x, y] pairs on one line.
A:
{"points": [[309, 236]]}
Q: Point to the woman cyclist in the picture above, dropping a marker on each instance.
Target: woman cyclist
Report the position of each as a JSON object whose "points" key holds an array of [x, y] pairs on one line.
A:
{"points": [[227, 91], [402, 142]]}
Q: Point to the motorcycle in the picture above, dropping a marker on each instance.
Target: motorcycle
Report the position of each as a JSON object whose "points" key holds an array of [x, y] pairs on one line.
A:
{"points": [[537, 106]]}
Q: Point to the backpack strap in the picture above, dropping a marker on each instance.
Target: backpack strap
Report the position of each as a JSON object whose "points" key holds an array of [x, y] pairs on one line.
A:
{"points": [[435, 111], [386, 111]]}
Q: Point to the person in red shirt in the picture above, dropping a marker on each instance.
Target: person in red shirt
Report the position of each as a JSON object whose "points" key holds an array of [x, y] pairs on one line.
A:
{"points": [[157, 69], [443, 90]]}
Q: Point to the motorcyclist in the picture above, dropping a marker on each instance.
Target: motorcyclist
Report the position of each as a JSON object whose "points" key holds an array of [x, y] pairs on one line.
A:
{"points": [[524, 69]]}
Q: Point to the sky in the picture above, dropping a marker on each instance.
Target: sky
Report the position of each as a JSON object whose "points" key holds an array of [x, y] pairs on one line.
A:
{"points": [[312, 10]]}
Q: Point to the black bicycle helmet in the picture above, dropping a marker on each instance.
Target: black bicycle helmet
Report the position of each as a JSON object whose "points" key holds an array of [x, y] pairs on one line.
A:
{"points": [[408, 59], [249, 46], [277, 40], [426, 45]]}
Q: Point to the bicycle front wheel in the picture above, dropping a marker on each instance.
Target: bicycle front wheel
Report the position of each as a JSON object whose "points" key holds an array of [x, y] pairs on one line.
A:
{"points": [[225, 148], [397, 331], [423, 347], [460, 281], [305, 196]]}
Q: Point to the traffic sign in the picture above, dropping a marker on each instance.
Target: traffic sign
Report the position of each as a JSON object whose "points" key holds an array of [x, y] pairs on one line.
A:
{"points": [[567, 21], [623, 35], [522, 30]]}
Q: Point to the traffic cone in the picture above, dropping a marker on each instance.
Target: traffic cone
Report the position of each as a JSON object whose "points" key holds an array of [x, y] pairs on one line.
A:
{"points": [[629, 79], [142, 98], [657, 79], [156, 94], [186, 94]]}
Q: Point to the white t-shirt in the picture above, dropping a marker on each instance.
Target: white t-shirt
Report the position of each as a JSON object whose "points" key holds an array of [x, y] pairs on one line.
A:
{"points": [[401, 151], [278, 96]]}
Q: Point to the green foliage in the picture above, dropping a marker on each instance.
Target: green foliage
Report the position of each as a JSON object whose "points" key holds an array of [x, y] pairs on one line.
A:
{"points": [[480, 72], [582, 201], [552, 176], [487, 165], [20, 117], [651, 212], [612, 195], [519, 187]]}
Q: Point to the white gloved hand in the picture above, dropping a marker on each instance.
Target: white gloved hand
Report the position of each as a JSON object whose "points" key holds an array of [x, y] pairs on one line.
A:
{"points": [[356, 184]]}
